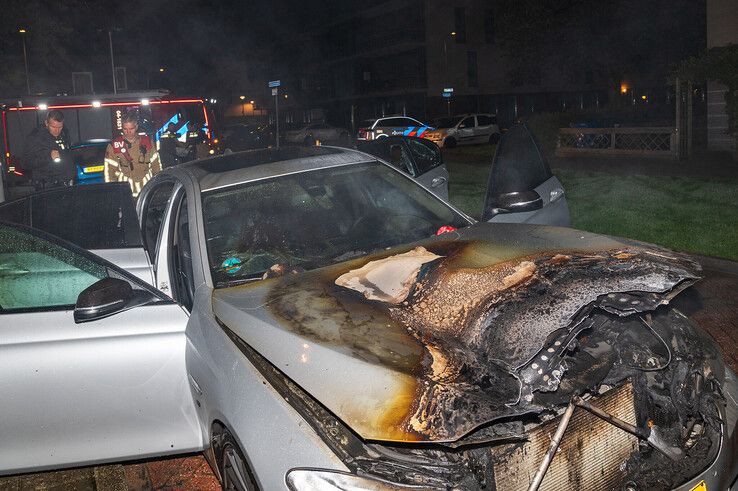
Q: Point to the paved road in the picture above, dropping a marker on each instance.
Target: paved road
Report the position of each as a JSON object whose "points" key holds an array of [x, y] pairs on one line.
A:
{"points": [[712, 304]]}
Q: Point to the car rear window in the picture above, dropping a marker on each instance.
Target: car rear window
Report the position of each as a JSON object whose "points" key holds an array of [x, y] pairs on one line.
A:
{"points": [[90, 216]]}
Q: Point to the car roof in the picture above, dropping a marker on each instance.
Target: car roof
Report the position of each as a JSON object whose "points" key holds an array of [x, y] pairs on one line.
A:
{"points": [[235, 168]]}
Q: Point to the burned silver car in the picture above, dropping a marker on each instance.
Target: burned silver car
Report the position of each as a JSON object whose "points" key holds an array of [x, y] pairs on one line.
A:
{"points": [[321, 321]]}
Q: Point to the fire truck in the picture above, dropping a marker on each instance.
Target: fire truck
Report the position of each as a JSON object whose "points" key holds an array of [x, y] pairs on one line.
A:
{"points": [[92, 121]]}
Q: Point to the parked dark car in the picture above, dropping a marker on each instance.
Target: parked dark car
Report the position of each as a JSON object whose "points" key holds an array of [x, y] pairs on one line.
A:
{"points": [[417, 157], [239, 137]]}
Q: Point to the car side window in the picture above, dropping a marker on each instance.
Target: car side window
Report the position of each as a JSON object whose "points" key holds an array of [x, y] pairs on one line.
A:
{"points": [[427, 155], [38, 275], [483, 120], [519, 164], [182, 258], [98, 216], [399, 159], [153, 216], [467, 123]]}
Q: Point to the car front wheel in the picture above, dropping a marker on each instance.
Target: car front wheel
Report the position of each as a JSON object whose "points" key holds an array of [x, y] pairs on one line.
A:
{"points": [[449, 142], [234, 470]]}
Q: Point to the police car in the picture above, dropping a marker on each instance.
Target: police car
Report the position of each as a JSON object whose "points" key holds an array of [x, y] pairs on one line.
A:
{"points": [[392, 126]]}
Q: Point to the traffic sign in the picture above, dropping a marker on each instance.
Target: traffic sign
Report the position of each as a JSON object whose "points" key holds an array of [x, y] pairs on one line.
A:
{"points": [[447, 95], [274, 91], [448, 90], [275, 83]]}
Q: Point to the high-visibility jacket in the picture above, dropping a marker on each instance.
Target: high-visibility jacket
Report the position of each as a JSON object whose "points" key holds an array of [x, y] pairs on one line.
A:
{"points": [[136, 162]]}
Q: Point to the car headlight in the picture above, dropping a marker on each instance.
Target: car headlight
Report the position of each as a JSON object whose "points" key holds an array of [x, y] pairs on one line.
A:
{"points": [[324, 480]]}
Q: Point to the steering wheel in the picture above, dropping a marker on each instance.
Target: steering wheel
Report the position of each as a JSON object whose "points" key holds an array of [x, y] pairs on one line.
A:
{"points": [[387, 225]]}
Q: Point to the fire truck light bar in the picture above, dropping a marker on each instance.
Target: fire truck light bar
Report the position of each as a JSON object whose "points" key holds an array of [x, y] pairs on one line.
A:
{"points": [[43, 107]]}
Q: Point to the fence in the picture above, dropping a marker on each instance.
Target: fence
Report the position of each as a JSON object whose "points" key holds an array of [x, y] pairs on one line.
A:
{"points": [[651, 142]]}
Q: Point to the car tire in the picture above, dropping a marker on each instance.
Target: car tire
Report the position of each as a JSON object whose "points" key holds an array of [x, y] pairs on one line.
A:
{"points": [[494, 138], [449, 142], [235, 472]]}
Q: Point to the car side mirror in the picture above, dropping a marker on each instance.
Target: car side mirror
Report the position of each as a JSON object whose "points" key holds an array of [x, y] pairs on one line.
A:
{"points": [[517, 202], [102, 299]]}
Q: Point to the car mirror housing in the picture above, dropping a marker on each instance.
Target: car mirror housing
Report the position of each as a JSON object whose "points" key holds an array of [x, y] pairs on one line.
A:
{"points": [[102, 299], [516, 202]]}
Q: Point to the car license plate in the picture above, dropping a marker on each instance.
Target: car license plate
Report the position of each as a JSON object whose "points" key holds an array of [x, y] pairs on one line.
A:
{"points": [[94, 168]]}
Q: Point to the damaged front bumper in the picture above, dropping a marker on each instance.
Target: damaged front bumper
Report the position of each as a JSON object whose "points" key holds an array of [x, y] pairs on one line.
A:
{"points": [[723, 472]]}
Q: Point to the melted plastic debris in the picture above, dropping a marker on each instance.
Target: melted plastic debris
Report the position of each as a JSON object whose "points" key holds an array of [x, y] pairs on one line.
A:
{"points": [[390, 279]]}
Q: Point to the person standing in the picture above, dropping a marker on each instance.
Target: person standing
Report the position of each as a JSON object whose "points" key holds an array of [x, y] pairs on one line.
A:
{"points": [[168, 145], [197, 141], [131, 157], [46, 154]]}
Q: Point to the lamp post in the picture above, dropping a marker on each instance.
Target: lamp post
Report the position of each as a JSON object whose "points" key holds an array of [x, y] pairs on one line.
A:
{"points": [[22, 32], [243, 104], [112, 62]]}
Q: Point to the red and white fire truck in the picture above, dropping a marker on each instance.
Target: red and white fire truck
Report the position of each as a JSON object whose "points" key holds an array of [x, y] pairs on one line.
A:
{"points": [[97, 118]]}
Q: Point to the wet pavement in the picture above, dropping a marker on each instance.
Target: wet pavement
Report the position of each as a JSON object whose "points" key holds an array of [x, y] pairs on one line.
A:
{"points": [[178, 473], [712, 303]]}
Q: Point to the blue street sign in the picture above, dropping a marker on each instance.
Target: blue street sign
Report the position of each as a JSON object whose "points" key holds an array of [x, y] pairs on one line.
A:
{"points": [[446, 94], [275, 83]]}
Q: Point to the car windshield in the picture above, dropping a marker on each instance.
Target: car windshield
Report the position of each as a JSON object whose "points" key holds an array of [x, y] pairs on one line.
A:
{"points": [[315, 218], [446, 122]]}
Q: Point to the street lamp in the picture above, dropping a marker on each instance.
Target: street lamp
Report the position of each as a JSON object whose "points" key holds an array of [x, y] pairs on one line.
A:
{"points": [[161, 69], [112, 61], [243, 104], [22, 32]]}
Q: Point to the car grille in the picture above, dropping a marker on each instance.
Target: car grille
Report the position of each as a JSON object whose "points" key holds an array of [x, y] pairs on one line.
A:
{"points": [[591, 456]]}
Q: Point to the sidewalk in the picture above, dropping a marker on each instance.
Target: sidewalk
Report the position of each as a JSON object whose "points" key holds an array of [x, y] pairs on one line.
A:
{"points": [[169, 474]]}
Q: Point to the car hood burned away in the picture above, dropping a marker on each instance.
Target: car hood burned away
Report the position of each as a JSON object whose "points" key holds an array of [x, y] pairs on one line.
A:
{"points": [[474, 345]]}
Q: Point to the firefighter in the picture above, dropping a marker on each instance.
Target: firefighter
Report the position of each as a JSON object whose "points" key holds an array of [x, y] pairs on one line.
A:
{"points": [[197, 141], [46, 153], [131, 157], [168, 145]]}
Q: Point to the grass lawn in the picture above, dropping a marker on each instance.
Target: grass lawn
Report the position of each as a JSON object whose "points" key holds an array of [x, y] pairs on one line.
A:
{"points": [[685, 214]]}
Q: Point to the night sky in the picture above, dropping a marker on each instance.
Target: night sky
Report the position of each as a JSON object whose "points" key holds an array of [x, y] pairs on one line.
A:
{"points": [[203, 44]]}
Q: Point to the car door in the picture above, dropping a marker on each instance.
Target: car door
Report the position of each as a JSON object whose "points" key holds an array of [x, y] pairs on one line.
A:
{"points": [[110, 388], [429, 169], [521, 186], [98, 217], [484, 128], [465, 130]]}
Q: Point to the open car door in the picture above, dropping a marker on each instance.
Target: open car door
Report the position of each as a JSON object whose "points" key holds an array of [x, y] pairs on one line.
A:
{"points": [[521, 186], [92, 360], [98, 217]]}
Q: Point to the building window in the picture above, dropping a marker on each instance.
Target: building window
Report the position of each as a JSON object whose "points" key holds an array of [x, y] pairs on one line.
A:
{"points": [[82, 83], [460, 30], [471, 68], [489, 26]]}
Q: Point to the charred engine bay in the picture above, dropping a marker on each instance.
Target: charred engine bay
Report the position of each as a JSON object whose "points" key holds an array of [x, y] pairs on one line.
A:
{"points": [[509, 345]]}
